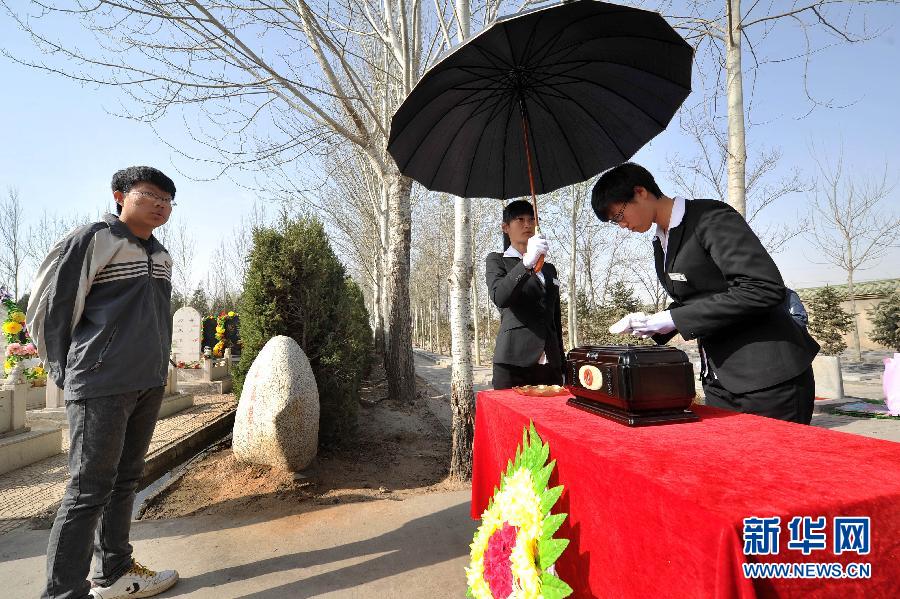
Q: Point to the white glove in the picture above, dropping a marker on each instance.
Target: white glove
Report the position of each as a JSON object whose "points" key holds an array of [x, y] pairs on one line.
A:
{"points": [[656, 324], [537, 247], [627, 323]]}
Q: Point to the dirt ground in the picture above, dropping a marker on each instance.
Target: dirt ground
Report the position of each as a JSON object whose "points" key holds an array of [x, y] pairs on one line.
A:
{"points": [[399, 450]]}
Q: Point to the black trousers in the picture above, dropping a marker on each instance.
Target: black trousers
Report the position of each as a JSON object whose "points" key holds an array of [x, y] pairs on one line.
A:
{"points": [[507, 376], [791, 400]]}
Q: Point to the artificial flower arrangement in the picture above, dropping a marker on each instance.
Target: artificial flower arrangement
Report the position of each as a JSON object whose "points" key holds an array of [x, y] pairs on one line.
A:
{"points": [[188, 365], [513, 552], [19, 345], [222, 342]]}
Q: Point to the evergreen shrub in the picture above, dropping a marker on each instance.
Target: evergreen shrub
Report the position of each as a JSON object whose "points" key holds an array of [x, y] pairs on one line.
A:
{"points": [[296, 286]]}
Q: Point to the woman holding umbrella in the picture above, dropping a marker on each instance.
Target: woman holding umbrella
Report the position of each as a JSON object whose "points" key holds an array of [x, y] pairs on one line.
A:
{"points": [[529, 348]]}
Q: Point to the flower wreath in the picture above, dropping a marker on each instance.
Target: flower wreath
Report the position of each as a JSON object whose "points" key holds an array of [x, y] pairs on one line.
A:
{"points": [[19, 344], [513, 551], [222, 342]]}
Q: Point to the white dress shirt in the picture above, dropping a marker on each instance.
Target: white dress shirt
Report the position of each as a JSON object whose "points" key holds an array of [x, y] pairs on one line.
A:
{"points": [[675, 220]]}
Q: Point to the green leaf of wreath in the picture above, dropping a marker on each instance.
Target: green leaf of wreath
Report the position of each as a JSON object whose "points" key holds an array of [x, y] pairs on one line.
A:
{"points": [[545, 452], [549, 551], [554, 588], [543, 477], [549, 497], [552, 524]]}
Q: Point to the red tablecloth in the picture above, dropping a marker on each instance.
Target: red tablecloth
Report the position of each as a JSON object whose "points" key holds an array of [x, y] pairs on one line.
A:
{"points": [[658, 511]]}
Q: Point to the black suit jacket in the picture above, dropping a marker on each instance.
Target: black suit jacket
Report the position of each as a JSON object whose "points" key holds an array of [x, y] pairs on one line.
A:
{"points": [[732, 300], [530, 319]]}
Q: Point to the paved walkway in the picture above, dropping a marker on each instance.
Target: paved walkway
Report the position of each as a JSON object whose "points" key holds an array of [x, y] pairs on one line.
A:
{"points": [[33, 490], [412, 549]]}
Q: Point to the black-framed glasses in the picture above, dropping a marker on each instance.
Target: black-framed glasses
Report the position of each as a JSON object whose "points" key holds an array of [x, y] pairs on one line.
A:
{"points": [[155, 197], [618, 216]]}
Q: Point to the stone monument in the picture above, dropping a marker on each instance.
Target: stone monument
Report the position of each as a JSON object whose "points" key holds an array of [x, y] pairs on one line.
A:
{"points": [[186, 335], [277, 420]]}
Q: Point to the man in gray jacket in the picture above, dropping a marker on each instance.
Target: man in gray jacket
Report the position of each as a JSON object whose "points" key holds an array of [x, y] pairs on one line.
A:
{"points": [[100, 317]]}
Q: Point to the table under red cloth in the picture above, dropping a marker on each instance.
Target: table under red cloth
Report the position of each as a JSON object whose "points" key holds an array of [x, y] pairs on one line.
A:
{"points": [[658, 511]]}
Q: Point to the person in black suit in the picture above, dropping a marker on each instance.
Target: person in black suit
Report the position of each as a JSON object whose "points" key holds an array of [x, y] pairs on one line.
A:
{"points": [[529, 348], [728, 295]]}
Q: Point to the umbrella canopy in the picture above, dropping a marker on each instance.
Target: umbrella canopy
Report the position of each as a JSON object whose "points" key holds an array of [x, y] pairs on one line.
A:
{"points": [[564, 92]]}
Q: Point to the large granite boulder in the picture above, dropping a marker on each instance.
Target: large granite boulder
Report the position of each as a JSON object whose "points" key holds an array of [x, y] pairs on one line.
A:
{"points": [[277, 420]]}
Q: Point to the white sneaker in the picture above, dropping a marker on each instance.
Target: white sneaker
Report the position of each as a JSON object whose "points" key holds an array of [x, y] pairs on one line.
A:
{"points": [[138, 581]]}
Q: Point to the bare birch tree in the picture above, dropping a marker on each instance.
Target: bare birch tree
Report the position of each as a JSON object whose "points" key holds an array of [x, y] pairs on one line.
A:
{"points": [[271, 82], [705, 174], [43, 235], [12, 240], [462, 396], [721, 33], [850, 224], [182, 246]]}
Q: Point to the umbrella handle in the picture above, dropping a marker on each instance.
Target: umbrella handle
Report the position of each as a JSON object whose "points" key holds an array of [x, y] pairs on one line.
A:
{"points": [[540, 262]]}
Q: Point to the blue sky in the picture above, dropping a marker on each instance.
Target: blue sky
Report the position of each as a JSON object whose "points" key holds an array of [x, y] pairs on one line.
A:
{"points": [[61, 145]]}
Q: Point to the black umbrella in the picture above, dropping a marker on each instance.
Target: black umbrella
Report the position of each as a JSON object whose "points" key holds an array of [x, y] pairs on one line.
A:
{"points": [[542, 99]]}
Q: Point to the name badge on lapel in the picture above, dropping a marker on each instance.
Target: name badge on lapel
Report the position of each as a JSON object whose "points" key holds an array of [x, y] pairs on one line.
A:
{"points": [[677, 276]]}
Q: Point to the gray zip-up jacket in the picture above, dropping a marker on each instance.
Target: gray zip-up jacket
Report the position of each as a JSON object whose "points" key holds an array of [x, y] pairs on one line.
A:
{"points": [[99, 311]]}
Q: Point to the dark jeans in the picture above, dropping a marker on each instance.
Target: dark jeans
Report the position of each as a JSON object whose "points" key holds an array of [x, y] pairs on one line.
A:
{"points": [[507, 376], [109, 437], [791, 400]]}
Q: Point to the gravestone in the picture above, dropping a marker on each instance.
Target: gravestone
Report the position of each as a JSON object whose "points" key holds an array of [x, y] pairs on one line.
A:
{"points": [[186, 335], [829, 381], [277, 419]]}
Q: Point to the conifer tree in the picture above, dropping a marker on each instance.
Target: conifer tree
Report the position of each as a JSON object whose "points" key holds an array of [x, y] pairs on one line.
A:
{"points": [[885, 318], [828, 321]]}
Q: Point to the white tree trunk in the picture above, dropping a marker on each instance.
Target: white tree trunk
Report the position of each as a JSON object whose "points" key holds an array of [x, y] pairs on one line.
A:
{"points": [[734, 82], [378, 300], [383, 306], [854, 337], [432, 324], [475, 321], [462, 397], [399, 366], [573, 312], [475, 310]]}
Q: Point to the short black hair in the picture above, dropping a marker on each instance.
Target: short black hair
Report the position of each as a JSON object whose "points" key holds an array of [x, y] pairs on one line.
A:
{"points": [[617, 185], [127, 178], [517, 209]]}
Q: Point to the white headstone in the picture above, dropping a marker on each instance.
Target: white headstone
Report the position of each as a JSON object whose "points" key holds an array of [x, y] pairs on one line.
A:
{"points": [[186, 335], [829, 381], [277, 419]]}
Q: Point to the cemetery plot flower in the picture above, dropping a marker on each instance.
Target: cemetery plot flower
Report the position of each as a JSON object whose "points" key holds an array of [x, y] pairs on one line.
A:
{"points": [[15, 317], [513, 552], [19, 345], [223, 342], [21, 350], [11, 327]]}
